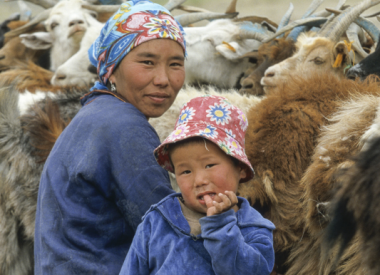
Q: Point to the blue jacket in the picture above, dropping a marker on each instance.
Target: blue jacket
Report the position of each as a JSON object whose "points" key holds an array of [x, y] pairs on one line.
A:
{"points": [[97, 183], [230, 243]]}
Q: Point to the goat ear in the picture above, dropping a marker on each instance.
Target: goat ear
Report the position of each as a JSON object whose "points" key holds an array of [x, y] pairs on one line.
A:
{"points": [[341, 55], [231, 51], [37, 40]]}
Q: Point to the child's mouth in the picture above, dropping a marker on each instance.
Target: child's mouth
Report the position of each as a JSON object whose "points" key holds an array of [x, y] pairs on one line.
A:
{"points": [[201, 198]]}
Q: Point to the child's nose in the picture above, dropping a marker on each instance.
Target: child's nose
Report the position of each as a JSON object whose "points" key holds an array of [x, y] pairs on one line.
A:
{"points": [[201, 179]]}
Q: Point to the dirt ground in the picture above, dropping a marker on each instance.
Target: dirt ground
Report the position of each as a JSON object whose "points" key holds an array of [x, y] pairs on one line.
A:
{"points": [[273, 9]]}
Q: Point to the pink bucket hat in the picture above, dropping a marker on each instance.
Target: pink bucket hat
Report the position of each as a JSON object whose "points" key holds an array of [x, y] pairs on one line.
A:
{"points": [[213, 118]]}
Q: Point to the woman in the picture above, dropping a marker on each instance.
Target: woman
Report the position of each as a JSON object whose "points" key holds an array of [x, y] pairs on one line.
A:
{"points": [[101, 176]]}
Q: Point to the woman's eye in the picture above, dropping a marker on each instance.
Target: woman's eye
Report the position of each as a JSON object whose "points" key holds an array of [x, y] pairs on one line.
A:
{"points": [[176, 64], [147, 62]]}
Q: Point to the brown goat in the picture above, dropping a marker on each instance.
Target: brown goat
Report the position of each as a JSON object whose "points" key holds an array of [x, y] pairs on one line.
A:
{"points": [[28, 76], [14, 52], [338, 143], [268, 54], [281, 137]]}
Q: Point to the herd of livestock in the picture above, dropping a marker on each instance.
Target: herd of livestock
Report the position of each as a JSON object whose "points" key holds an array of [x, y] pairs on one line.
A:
{"points": [[308, 87]]}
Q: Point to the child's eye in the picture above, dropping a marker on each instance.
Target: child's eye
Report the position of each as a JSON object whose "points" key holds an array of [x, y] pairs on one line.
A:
{"points": [[210, 165], [185, 172]]}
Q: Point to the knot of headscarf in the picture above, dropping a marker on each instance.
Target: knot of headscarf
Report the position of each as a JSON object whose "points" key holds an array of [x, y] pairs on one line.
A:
{"points": [[134, 23]]}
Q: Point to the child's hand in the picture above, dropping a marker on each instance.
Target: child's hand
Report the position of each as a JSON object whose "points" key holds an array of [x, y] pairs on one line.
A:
{"points": [[221, 203]]}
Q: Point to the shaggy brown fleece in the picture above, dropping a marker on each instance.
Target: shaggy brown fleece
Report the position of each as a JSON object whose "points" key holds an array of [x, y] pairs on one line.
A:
{"points": [[337, 144], [356, 207], [281, 137]]}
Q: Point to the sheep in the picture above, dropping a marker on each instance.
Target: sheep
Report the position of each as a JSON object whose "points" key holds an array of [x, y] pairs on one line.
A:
{"points": [[280, 141], [25, 143], [355, 209]]}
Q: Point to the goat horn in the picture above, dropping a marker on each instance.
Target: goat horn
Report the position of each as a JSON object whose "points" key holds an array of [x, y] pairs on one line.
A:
{"points": [[43, 3], [102, 8], [257, 19], [248, 30], [232, 7], [25, 12], [310, 22], [30, 25], [372, 15], [286, 18], [367, 25], [191, 9], [353, 35], [189, 18], [172, 4], [339, 6], [293, 35], [339, 24]]}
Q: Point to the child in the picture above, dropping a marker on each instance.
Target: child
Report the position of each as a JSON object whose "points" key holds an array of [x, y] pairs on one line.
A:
{"points": [[205, 229]]}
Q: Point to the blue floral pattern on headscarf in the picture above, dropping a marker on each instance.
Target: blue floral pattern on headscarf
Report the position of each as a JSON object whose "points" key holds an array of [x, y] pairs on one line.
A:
{"points": [[135, 22]]}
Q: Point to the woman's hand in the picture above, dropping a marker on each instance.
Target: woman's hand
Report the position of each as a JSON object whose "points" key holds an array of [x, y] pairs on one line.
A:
{"points": [[221, 202]]}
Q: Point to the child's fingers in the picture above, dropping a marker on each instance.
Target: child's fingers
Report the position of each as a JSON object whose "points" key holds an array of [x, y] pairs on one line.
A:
{"points": [[232, 196], [208, 201], [226, 201]]}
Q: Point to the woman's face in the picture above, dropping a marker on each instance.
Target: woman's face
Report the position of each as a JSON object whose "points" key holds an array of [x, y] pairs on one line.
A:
{"points": [[151, 75]]}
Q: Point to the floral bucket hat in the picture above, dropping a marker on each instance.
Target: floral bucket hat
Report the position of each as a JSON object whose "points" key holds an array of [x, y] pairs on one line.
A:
{"points": [[215, 119]]}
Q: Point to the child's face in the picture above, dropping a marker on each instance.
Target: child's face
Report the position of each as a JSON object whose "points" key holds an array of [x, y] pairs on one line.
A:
{"points": [[200, 171]]}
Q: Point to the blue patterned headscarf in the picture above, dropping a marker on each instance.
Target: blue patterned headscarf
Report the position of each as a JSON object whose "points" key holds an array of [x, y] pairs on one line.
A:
{"points": [[135, 22]]}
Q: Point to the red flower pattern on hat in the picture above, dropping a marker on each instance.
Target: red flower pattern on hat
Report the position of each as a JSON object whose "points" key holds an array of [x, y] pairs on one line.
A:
{"points": [[215, 119]]}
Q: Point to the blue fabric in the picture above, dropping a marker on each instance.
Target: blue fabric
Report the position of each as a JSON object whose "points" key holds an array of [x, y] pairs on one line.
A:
{"points": [[230, 243], [97, 183], [135, 22]]}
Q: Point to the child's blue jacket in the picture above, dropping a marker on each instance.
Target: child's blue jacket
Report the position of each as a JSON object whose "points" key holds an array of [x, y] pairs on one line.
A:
{"points": [[230, 243]]}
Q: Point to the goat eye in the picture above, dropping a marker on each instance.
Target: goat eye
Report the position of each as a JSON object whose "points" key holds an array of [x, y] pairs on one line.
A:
{"points": [[53, 25], [252, 60], [318, 61]]}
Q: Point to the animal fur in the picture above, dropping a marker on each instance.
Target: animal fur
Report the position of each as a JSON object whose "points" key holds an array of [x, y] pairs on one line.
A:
{"points": [[21, 167], [337, 144], [280, 141], [356, 209]]}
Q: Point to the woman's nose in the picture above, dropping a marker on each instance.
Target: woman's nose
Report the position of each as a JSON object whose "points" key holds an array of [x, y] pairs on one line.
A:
{"points": [[161, 77]]}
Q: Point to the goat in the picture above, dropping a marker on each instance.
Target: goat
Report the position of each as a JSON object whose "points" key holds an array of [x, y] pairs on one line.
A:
{"points": [[319, 54], [355, 209], [14, 52], [66, 24], [25, 143], [280, 141], [367, 66]]}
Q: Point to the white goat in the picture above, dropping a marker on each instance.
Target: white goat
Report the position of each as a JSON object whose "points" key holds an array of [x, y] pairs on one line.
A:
{"points": [[66, 25]]}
